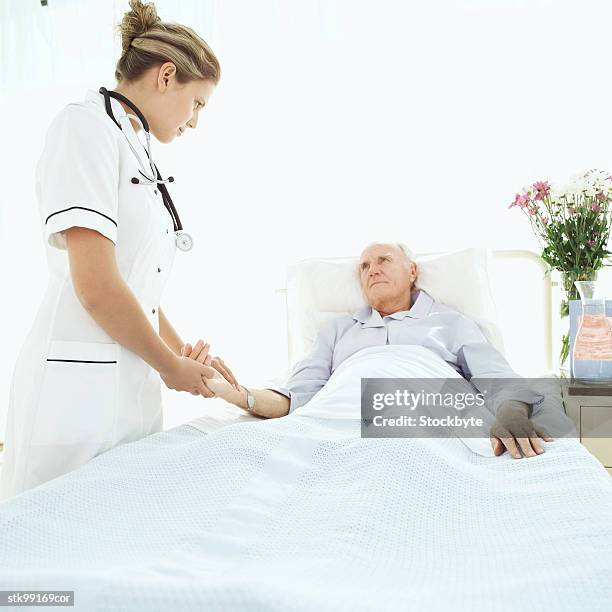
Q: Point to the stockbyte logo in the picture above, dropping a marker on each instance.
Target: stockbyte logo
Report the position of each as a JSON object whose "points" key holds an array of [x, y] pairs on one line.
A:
{"points": [[443, 407]]}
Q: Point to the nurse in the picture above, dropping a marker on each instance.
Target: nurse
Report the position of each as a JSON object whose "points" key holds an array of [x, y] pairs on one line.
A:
{"points": [[88, 375]]}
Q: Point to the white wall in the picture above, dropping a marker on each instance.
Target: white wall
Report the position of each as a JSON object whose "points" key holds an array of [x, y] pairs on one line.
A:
{"points": [[335, 122]]}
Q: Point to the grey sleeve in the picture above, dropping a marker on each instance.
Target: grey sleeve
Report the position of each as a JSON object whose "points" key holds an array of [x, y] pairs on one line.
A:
{"points": [[309, 375], [487, 369]]}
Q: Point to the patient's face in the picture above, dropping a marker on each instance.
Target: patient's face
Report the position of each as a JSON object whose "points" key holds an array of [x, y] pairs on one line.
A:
{"points": [[386, 276]]}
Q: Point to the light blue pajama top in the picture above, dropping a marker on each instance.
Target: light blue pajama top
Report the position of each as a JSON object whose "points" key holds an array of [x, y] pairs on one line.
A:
{"points": [[448, 333]]}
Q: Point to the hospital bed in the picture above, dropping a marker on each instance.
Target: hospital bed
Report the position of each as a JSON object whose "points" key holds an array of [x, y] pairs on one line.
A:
{"points": [[300, 513]]}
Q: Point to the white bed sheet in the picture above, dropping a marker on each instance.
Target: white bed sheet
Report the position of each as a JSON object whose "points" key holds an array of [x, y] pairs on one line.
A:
{"points": [[301, 514]]}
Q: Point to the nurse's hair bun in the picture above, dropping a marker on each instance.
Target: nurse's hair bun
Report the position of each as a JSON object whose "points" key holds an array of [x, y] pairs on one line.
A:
{"points": [[137, 21], [148, 42]]}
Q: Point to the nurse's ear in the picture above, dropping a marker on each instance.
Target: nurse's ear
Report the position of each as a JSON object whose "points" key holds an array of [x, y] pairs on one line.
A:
{"points": [[166, 72]]}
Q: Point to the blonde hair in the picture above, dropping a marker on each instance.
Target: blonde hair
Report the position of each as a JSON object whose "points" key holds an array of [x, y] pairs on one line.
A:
{"points": [[147, 41]]}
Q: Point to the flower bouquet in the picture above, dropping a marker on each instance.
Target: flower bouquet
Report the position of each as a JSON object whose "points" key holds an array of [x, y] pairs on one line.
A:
{"points": [[573, 226]]}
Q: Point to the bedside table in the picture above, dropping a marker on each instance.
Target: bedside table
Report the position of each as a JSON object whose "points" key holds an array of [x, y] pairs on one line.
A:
{"points": [[590, 407]]}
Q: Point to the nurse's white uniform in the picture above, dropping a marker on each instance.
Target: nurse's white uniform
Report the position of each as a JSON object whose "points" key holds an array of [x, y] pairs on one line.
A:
{"points": [[75, 392]]}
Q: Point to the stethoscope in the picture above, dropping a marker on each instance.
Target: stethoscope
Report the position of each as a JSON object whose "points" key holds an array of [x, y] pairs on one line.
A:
{"points": [[183, 240]]}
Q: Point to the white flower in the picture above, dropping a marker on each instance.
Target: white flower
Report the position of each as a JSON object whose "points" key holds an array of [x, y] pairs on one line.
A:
{"points": [[574, 187], [556, 193], [599, 180]]}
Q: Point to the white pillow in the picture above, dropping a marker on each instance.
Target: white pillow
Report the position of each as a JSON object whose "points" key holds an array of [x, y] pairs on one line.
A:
{"points": [[322, 289]]}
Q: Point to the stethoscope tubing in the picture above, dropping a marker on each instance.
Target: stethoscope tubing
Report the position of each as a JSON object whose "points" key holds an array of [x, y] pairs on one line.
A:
{"points": [[184, 241]]}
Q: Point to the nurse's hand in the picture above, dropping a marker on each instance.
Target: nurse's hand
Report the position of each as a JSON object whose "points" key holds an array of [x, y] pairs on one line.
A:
{"points": [[200, 353], [184, 374]]}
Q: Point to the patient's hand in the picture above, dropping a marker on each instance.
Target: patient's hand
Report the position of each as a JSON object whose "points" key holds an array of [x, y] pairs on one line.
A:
{"points": [[219, 386], [513, 431]]}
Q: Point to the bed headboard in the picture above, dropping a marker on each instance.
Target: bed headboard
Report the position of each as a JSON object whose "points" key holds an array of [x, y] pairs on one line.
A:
{"points": [[524, 296]]}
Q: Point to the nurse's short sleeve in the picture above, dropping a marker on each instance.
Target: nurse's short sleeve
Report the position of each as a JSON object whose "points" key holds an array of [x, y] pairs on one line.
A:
{"points": [[78, 175]]}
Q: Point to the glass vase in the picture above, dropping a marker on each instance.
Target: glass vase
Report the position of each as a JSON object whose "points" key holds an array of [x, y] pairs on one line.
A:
{"points": [[591, 355], [570, 291]]}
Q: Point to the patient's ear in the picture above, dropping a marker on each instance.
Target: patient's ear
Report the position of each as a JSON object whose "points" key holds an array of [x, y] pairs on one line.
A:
{"points": [[413, 273]]}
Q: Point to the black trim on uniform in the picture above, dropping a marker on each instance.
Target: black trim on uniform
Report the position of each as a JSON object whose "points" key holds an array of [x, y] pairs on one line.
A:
{"points": [[79, 361], [81, 208]]}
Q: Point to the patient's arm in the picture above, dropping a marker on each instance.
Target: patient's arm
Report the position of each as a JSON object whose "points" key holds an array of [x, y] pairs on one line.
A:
{"points": [[310, 375], [513, 402], [489, 371], [268, 404]]}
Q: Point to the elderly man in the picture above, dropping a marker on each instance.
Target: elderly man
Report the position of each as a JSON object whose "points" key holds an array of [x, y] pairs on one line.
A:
{"points": [[398, 313]]}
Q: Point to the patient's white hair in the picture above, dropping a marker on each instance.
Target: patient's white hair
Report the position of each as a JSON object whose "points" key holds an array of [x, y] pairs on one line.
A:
{"points": [[406, 252]]}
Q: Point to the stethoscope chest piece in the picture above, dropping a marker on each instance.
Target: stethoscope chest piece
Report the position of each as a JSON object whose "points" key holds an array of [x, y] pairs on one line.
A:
{"points": [[184, 241]]}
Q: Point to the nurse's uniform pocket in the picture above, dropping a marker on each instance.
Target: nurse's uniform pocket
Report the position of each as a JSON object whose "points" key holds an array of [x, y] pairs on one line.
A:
{"points": [[78, 397]]}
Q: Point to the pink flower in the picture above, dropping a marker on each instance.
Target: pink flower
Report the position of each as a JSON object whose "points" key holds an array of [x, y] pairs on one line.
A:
{"points": [[544, 220], [599, 196], [532, 210], [571, 210], [542, 189], [590, 243], [595, 207], [520, 200]]}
